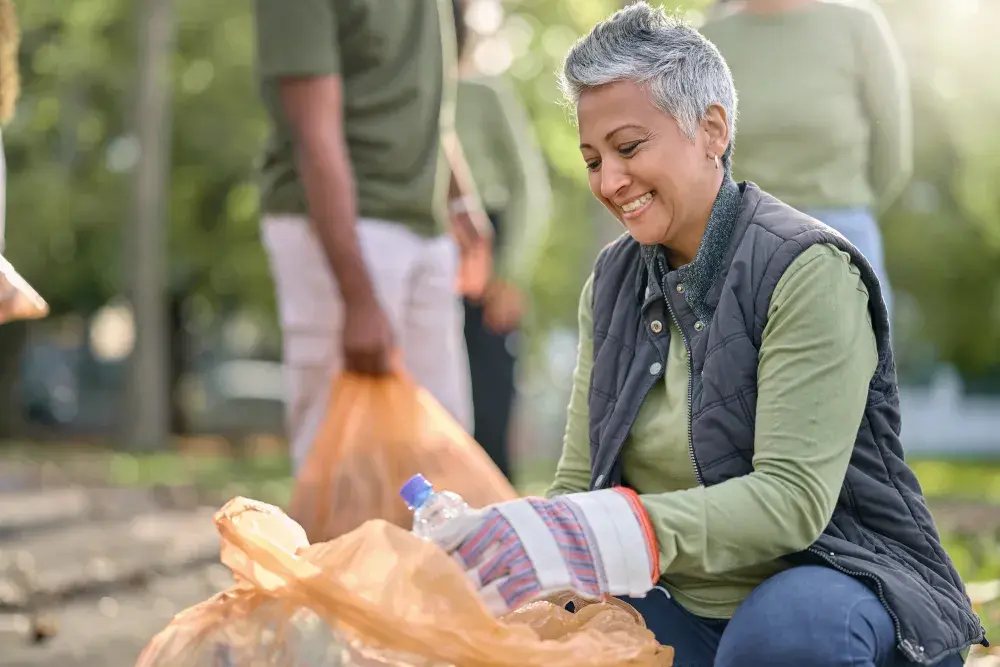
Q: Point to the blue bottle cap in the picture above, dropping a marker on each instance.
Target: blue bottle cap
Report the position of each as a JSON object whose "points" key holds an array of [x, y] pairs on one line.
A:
{"points": [[416, 491]]}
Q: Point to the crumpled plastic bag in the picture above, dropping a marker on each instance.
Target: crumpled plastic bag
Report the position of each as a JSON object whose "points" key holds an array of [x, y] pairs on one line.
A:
{"points": [[376, 434], [377, 596], [18, 299]]}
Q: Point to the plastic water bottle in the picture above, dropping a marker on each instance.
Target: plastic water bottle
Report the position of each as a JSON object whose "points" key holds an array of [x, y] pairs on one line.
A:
{"points": [[431, 509]]}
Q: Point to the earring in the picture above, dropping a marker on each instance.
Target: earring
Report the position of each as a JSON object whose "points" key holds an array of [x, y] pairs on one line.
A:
{"points": [[716, 158]]}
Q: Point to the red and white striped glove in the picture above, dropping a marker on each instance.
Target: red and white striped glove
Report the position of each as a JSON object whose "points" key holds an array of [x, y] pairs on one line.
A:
{"points": [[595, 544]]}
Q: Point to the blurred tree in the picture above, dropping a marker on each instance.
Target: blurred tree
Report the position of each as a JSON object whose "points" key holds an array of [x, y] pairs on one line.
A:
{"points": [[70, 154], [943, 237], [147, 391]]}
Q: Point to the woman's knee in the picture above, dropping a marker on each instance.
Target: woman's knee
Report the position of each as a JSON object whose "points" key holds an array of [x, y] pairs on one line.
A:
{"points": [[808, 615]]}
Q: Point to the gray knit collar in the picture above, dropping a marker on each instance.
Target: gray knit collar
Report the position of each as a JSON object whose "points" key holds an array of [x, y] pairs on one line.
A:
{"points": [[701, 273]]}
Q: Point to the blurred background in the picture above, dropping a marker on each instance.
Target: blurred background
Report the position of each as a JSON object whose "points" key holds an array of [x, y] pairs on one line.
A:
{"points": [[95, 225]]}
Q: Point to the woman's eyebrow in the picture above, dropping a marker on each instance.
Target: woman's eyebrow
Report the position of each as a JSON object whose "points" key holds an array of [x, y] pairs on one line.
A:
{"points": [[607, 137]]}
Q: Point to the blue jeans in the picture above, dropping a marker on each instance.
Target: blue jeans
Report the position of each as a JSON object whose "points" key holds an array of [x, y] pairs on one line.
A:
{"points": [[860, 227], [807, 615]]}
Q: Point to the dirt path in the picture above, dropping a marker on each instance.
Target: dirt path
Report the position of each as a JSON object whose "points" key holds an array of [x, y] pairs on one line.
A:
{"points": [[88, 576]]}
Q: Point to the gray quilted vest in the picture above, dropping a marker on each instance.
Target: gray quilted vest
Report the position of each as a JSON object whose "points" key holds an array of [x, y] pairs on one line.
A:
{"points": [[720, 302]]}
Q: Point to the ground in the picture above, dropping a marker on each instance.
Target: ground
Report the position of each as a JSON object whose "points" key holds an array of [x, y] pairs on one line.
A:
{"points": [[99, 550]]}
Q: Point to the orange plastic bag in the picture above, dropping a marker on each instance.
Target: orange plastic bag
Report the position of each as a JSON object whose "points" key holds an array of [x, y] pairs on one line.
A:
{"points": [[377, 433], [376, 596]]}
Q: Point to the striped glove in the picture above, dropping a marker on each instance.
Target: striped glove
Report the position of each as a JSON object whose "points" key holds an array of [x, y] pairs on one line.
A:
{"points": [[593, 544]]}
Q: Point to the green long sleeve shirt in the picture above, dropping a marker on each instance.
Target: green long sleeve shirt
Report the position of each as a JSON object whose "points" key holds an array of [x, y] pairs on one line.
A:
{"points": [[817, 357], [824, 107], [508, 169]]}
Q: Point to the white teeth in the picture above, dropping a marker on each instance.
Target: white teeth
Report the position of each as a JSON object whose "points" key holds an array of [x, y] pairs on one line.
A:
{"points": [[636, 204]]}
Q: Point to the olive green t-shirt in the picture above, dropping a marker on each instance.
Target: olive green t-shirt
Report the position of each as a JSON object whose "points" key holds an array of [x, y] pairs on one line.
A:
{"points": [[508, 170], [824, 111], [396, 59], [816, 358]]}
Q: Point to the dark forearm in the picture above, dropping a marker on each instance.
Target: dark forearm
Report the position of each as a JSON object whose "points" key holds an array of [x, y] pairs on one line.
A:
{"points": [[329, 186], [313, 106]]}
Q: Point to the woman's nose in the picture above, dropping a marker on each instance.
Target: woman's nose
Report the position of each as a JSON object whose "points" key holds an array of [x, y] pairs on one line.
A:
{"points": [[613, 181]]}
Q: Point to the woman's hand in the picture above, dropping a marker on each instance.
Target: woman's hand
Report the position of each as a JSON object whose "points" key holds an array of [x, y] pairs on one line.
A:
{"points": [[594, 544], [473, 233]]}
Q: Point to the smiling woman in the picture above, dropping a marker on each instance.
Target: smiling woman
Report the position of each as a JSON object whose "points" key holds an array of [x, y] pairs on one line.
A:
{"points": [[732, 449]]}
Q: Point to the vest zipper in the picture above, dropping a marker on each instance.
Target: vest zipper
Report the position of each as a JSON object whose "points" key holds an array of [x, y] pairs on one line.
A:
{"points": [[912, 653], [687, 349]]}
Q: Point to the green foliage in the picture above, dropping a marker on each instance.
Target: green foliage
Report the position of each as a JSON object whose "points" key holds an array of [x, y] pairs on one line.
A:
{"points": [[943, 238], [69, 152]]}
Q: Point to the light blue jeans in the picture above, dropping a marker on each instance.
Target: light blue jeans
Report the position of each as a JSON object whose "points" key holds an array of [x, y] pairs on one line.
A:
{"points": [[860, 227]]}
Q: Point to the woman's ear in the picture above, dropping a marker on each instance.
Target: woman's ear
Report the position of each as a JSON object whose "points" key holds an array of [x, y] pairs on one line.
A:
{"points": [[715, 125]]}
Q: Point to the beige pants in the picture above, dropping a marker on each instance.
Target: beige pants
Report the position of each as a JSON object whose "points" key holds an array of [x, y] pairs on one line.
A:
{"points": [[414, 278]]}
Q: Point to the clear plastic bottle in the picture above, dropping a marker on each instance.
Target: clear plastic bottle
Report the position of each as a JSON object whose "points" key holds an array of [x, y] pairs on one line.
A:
{"points": [[431, 509]]}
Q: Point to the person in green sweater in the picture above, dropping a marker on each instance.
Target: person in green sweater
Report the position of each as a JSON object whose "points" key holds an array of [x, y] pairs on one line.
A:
{"points": [[510, 174], [825, 118], [731, 463]]}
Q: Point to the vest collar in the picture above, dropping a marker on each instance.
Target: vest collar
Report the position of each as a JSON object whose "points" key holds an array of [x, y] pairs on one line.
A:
{"points": [[708, 263]]}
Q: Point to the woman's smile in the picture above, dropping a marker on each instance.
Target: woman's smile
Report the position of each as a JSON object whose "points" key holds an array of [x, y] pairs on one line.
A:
{"points": [[634, 208]]}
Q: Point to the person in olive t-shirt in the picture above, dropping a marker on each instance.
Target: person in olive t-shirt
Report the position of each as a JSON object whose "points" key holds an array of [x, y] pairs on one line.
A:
{"points": [[824, 109], [354, 196], [510, 174]]}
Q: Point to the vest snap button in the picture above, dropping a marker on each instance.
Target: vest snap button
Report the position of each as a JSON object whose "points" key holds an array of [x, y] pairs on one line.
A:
{"points": [[699, 325], [655, 368], [680, 288], [656, 326]]}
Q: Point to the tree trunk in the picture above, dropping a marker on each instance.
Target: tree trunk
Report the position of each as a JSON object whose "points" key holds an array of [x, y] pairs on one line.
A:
{"points": [[148, 387]]}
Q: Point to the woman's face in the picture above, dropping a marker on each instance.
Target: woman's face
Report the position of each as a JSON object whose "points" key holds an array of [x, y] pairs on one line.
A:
{"points": [[659, 183]]}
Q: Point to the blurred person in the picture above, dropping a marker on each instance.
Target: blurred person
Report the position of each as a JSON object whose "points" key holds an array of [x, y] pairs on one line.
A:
{"points": [[18, 300], [825, 119], [355, 193], [510, 175], [732, 464], [10, 89]]}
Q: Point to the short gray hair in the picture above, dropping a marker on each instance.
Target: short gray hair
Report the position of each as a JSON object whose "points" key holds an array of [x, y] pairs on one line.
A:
{"points": [[683, 71]]}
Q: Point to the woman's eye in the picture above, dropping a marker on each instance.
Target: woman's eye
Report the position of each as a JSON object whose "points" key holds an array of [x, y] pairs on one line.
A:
{"points": [[628, 149], [593, 165]]}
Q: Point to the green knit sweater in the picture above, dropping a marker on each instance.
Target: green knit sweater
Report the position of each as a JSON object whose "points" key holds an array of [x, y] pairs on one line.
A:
{"points": [[824, 112]]}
